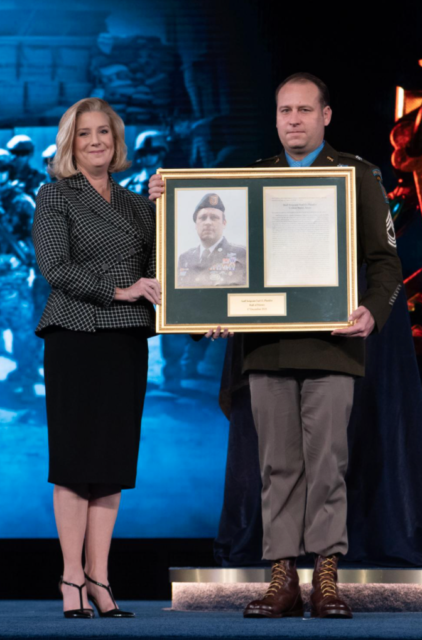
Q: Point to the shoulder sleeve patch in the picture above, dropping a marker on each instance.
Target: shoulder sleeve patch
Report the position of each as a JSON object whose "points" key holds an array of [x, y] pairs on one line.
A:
{"points": [[378, 177]]}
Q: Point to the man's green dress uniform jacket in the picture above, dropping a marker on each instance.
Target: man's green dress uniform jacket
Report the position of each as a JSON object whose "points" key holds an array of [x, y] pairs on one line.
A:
{"points": [[376, 245]]}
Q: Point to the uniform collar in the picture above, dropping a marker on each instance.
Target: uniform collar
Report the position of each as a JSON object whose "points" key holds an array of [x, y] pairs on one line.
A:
{"points": [[308, 160], [328, 157], [211, 249]]}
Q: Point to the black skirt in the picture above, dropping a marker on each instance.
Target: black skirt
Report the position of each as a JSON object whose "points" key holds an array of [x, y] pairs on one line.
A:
{"points": [[95, 388]]}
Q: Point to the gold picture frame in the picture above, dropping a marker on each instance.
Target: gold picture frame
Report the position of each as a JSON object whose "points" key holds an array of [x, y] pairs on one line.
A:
{"points": [[323, 303]]}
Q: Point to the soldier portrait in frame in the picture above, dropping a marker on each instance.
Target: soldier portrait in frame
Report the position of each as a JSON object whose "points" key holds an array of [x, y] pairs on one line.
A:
{"points": [[211, 238]]}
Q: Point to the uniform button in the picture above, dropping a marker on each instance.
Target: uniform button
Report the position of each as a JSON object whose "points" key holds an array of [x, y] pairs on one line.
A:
{"points": [[120, 257], [132, 251], [104, 267]]}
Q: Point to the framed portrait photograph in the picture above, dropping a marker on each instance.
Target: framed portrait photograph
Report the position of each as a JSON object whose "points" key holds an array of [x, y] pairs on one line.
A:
{"points": [[256, 249], [211, 238]]}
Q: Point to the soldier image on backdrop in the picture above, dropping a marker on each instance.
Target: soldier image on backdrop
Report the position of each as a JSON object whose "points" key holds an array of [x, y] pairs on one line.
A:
{"points": [[40, 286], [17, 209], [180, 354], [47, 157], [150, 150], [215, 261], [17, 266], [22, 149]]}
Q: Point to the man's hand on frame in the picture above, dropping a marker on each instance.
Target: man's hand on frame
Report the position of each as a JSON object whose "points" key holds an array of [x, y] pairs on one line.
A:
{"points": [[364, 325], [214, 334], [155, 186]]}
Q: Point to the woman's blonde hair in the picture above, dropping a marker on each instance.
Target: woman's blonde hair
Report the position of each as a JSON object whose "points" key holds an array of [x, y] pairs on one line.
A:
{"points": [[63, 164]]}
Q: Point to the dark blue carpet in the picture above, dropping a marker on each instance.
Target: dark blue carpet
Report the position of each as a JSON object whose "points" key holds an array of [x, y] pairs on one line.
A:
{"points": [[43, 619]]}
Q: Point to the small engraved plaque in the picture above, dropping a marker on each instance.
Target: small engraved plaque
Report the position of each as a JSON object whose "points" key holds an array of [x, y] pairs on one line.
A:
{"points": [[258, 304]]}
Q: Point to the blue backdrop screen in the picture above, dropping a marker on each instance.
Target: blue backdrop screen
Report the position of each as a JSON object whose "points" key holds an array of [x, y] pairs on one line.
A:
{"points": [[165, 69]]}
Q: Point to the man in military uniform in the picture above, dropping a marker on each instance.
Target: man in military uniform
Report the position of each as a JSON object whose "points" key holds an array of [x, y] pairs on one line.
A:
{"points": [[29, 178], [302, 384], [215, 262]]}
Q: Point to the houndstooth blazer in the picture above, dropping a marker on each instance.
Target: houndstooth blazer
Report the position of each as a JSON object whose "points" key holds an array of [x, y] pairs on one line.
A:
{"points": [[86, 247]]}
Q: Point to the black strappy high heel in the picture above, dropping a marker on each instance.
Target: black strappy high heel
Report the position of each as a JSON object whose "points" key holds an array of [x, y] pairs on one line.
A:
{"points": [[76, 613], [113, 613]]}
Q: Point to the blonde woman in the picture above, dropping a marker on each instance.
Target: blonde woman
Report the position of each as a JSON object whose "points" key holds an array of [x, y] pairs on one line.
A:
{"points": [[95, 245]]}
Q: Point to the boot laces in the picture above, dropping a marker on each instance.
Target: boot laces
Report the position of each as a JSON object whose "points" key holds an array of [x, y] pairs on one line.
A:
{"points": [[278, 578], [327, 577]]}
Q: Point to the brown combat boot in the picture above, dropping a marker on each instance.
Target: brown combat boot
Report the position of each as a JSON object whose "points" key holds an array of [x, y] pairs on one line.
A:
{"points": [[325, 598], [283, 598]]}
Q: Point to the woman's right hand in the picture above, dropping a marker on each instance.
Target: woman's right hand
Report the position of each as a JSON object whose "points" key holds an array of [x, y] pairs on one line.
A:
{"points": [[148, 288], [155, 186]]}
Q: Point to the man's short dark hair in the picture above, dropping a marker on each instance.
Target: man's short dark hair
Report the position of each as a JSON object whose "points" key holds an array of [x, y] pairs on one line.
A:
{"points": [[301, 77]]}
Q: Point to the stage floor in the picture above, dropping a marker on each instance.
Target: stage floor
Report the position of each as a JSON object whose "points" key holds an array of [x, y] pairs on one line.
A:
{"points": [[365, 590], [43, 619]]}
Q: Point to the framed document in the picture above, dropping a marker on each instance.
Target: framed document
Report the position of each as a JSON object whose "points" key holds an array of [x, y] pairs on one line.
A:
{"points": [[256, 249]]}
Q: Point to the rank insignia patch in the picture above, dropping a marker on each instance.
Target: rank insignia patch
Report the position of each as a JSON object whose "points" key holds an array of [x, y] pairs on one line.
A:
{"points": [[391, 236]]}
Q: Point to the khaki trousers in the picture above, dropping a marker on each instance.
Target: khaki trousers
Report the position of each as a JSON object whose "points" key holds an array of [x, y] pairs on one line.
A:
{"points": [[301, 421]]}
